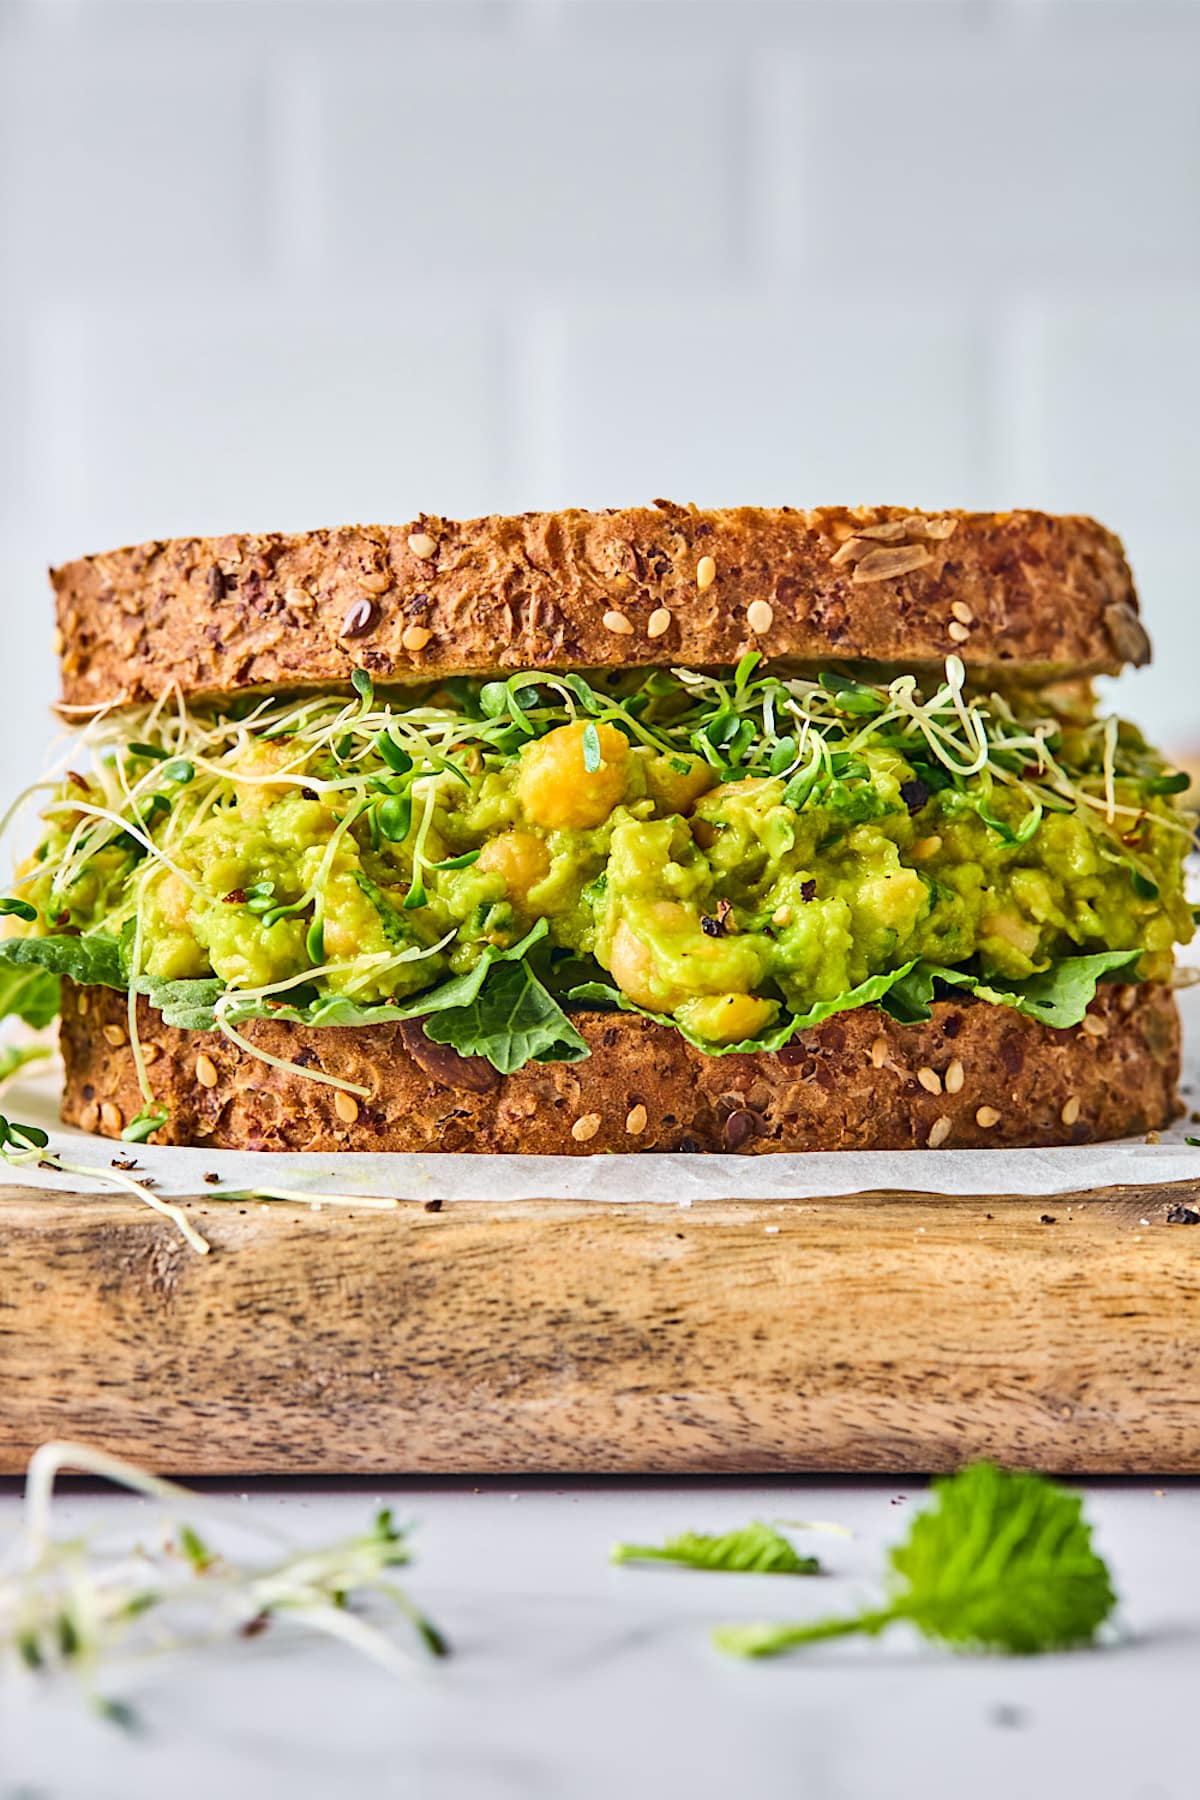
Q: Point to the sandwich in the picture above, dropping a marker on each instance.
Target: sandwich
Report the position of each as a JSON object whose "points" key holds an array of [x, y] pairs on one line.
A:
{"points": [[658, 829]]}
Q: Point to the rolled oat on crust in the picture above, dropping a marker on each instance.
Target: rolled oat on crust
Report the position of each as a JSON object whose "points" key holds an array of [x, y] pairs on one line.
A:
{"points": [[663, 584], [975, 1075]]}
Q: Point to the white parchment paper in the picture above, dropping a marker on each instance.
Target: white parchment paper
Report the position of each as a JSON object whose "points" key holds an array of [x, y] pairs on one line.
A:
{"points": [[673, 1180]]}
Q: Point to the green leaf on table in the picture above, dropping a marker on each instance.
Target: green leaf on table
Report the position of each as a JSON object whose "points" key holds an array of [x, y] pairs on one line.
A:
{"points": [[1003, 1560], [756, 1549]]}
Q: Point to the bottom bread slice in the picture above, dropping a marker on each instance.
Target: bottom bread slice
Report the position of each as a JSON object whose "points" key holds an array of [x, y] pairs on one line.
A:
{"points": [[974, 1074]]}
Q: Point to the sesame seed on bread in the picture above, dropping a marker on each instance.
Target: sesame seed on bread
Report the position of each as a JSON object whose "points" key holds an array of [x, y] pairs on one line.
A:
{"points": [[974, 1075], [666, 584]]}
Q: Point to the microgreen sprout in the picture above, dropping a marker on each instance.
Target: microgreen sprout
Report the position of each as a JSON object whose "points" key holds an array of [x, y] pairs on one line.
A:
{"points": [[382, 767], [26, 1145], [755, 722], [72, 1605], [152, 1118], [312, 1197], [15, 1057]]}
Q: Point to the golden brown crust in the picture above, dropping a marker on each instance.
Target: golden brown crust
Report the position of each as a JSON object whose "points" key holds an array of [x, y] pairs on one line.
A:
{"points": [[859, 1081], [590, 590]]}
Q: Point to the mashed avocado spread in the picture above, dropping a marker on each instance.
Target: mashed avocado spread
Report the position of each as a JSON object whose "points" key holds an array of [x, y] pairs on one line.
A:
{"points": [[739, 852]]}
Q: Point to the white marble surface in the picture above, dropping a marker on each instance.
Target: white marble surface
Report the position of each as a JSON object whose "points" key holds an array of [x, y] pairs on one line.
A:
{"points": [[574, 1680]]}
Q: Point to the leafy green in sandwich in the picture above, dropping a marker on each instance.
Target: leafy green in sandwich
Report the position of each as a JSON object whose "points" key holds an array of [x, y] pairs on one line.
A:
{"points": [[737, 853]]}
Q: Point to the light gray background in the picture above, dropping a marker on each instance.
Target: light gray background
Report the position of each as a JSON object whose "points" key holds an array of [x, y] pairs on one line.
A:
{"points": [[277, 265]]}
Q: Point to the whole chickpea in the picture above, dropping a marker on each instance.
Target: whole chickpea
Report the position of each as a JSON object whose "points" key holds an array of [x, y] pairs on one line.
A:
{"points": [[632, 966], [706, 820], [520, 858], [736, 790], [728, 1018], [1020, 933], [674, 791], [556, 788], [706, 961], [175, 901]]}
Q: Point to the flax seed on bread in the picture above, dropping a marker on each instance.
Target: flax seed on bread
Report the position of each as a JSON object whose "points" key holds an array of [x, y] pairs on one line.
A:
{"points": [[579, 590], [974, 1075]]}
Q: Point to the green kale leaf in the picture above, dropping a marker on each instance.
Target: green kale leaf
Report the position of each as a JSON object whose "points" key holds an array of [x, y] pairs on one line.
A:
{"points": [[512, 1020], [30, 968], [304, 1006], [499, 1009], [1059, 996], [30, 994], [187, 1005], [867, 993]]}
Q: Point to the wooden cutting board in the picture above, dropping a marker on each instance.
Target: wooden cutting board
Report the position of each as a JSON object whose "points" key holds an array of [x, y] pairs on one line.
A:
{"points": [[882, 1332]]}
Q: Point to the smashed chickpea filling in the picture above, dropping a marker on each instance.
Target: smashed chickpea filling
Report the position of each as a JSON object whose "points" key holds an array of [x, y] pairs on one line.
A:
{"points": [[725, 848]]}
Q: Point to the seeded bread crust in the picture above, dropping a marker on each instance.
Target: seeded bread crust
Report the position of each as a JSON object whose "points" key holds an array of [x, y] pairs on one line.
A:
{"points": [[663, 584], [859, 1081]]}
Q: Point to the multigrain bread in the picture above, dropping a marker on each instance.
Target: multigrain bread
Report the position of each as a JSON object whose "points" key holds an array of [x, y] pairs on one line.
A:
{"points": [[975, 1075], [668, 584]]}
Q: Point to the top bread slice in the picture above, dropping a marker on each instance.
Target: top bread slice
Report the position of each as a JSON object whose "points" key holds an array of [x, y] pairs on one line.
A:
{"points": [[1050, 596]]}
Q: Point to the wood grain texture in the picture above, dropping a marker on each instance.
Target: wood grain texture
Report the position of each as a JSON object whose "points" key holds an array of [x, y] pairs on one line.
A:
{"points": [[884, 1333]]}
